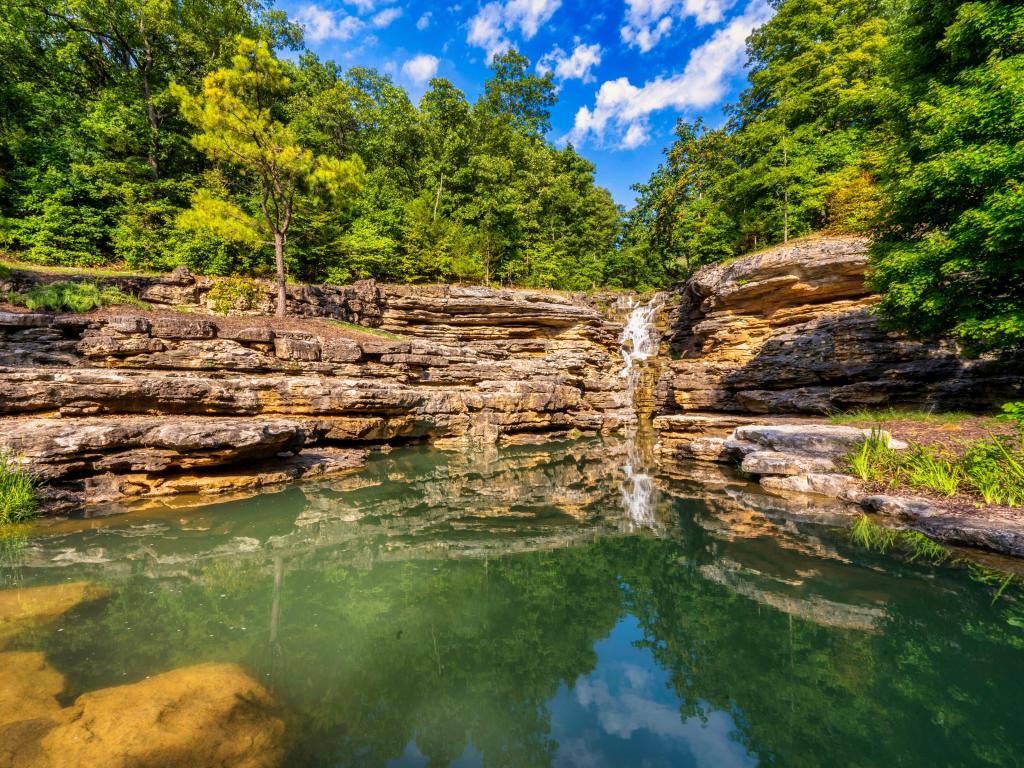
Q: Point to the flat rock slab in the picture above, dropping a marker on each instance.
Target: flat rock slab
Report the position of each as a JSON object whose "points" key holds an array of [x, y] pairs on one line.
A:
{"points": [[57, 448], [809, 439]]}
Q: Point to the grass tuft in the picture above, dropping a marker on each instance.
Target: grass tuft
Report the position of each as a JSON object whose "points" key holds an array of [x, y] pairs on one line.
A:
{"points": [[19, 493], [365, 329], [992, 469], [895, 414]]}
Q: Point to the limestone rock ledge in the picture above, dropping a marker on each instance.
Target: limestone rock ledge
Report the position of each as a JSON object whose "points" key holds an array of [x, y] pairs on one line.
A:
{"points": [[791, 331], [124, 404]]}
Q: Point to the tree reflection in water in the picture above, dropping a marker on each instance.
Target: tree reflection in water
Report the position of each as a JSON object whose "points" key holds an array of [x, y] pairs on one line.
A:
{"points": [[438, 608]]}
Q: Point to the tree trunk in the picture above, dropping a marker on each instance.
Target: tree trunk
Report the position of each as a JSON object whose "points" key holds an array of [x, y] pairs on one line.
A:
{"points": [[785, 195], [437, 202], [282, 295]]}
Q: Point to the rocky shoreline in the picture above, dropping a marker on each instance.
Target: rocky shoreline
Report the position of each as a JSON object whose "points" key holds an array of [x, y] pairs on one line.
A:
{"points": [[128, 404]]}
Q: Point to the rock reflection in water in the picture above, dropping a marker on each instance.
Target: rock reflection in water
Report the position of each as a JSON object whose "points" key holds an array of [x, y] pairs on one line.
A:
{"points": [[507, 610]]}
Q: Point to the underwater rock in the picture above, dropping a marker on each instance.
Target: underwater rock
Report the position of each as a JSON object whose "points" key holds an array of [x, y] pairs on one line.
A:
{"points": [[30, 607], [195, 717]]}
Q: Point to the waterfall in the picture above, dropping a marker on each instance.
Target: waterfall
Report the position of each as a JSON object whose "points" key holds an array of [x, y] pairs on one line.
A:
{"points": [[639, 342], [639, 339]]}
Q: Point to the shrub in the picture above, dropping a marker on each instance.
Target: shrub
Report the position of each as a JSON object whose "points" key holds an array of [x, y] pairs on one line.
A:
{"points": [[233, 293], [19, 496], [71, 297]]}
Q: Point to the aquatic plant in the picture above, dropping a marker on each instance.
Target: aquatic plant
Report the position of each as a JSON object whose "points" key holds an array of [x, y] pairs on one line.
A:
{"points": [[19, 495], [71, 297]]}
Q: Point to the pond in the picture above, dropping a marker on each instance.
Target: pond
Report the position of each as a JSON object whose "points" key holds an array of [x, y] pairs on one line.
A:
{"points": [[540, 606]]}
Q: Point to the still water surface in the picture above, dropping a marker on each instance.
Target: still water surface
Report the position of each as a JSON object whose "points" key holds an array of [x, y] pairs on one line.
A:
{"points": [[541, 607]]}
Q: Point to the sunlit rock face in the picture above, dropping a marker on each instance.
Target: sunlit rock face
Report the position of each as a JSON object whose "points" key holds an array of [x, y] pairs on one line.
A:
{"points": [[791, 330], [252, 401]]}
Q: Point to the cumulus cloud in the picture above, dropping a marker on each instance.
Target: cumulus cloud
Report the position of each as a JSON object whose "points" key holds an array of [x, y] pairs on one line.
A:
{"points": [[384, 18], [322, 24], [574, 66], [623, 108], [490, 27], [421, 68], [648, 21], [424, 21]]}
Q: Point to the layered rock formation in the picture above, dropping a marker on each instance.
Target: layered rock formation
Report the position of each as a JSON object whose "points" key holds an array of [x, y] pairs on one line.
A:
{"points": [[791, 330], [127, 403]]}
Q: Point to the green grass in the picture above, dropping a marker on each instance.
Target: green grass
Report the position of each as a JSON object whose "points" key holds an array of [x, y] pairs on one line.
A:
{"points": [[365, 329], [28, 266], [992, 469], [895, 414], [19, 494], [71, 297]]}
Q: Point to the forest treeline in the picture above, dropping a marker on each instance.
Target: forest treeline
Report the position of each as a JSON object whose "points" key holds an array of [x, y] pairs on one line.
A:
{"points": [[136, 132]]}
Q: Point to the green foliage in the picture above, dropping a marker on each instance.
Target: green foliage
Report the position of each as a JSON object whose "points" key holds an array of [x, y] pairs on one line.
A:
{"points": [[896, 414], [1014, 412], [796, 155], [951, 258], [19, 496], [993, 469], [71, 297], [137, 133], [996, 470], [236, 293]]}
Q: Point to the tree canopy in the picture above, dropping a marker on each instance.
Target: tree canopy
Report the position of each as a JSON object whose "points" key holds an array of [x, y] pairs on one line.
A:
{"points": [[897, 120]]}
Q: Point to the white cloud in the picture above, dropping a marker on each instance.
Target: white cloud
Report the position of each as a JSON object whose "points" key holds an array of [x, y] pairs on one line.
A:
{"points": [[424, 21], [492, 23], [363, 6], [574, 66], [322, 24], [385, 17], [648, 21], [636, 135], [624, 108], [421, 68]]}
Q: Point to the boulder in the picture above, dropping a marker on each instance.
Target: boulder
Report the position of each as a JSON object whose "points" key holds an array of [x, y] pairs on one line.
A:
{"points": [[823, 440]]}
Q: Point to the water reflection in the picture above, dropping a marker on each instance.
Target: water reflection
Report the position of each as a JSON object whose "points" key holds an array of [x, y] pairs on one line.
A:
{"points": [[443, 610]]}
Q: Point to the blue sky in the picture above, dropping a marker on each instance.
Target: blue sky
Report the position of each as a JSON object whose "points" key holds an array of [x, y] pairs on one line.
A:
{"points": [[625, 69]]}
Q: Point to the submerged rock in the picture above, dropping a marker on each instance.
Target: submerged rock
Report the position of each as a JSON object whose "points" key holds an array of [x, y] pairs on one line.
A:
{"points": [[205, 716], [32, 607]]}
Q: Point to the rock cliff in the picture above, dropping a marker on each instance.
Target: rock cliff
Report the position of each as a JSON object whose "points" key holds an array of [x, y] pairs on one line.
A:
{"points": [[791, 330], [87, 397]]}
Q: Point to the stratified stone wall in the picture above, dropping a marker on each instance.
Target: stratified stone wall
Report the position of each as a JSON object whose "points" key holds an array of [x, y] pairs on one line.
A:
{"points": [[792, 330], [129, 403]]}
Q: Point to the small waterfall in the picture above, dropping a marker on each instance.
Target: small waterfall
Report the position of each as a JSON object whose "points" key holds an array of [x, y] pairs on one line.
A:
{"points": [[640, 338], [639, 343]]}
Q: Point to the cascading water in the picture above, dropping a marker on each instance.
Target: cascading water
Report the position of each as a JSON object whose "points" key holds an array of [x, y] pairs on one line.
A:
{"points": [[639, 339], [638, 343]]}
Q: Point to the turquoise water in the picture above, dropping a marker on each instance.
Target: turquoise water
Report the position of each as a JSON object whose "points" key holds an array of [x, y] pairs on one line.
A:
{"points": [[533, 607]]}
